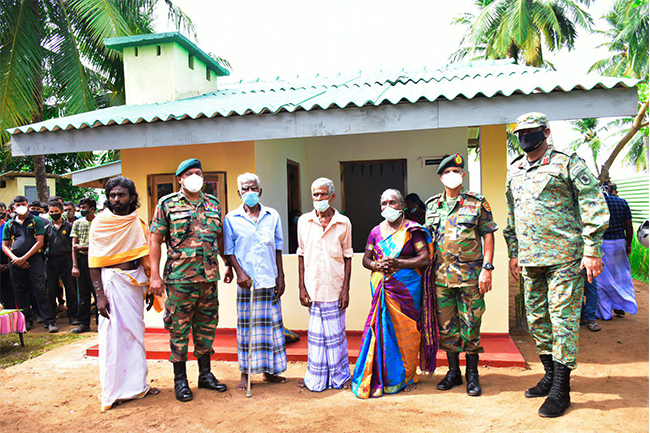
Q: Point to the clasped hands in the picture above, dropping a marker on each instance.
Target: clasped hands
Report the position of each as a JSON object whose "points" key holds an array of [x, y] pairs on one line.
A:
{"points": [[386, 265]]}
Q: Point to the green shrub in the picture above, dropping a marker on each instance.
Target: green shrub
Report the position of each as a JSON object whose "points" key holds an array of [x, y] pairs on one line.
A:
{"points": [[639, 261]]}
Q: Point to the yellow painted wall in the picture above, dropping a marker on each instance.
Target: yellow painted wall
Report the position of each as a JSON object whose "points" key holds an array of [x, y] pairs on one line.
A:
{"points": [[233, 158], [16, 186], [494, 168]]}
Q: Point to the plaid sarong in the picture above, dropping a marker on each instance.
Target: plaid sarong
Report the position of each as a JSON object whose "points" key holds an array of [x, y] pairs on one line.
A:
{"points": [[328, 365], [269, 353]]}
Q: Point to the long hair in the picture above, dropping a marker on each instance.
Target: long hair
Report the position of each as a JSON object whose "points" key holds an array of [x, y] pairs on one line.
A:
{"points": [[124, 182]]}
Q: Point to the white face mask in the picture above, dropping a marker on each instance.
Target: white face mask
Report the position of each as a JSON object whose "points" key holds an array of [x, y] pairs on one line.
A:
{"points": [[321, 205], [193, 183], [22, 210], [452, 180], [390, 214]]}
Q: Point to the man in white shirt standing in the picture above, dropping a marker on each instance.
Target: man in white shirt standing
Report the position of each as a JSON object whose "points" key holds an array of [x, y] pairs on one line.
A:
{"points": [[253, 245], [324, 266]]}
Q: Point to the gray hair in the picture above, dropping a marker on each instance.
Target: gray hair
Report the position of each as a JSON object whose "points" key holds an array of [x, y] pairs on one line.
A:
{"points": [[246, 177], [323, 181], [395, 193]]}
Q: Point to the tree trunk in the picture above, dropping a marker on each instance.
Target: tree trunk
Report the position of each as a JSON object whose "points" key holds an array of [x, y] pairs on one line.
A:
{"points": [[636, 126], [41, 179]]}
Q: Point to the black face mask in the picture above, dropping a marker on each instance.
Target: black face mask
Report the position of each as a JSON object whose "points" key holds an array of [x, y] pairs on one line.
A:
{"points": [[532, 141], [84, 212], [35, 212], [55, 216], [3, 215]]}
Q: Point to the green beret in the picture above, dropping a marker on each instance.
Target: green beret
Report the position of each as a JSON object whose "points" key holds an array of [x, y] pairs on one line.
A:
{"points": [[187, 164], [455, 160]]}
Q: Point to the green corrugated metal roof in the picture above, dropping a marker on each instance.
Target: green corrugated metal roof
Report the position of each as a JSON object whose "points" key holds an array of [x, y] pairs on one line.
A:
{"points": [[120, 43], [389, 86], [635, 190]]}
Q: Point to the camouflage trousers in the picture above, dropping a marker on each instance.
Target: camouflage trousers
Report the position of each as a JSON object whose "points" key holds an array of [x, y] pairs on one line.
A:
{"points": [[553, 296], [460, 310], [192, 307]]}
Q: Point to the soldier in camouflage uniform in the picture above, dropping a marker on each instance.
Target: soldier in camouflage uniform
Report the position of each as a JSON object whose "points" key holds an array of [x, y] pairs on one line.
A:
{"points": [[556, 220], [189, 222], [458, 219]]}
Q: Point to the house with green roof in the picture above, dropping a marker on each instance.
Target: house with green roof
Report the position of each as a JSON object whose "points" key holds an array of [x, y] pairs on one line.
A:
{"points": [[365, 130]]}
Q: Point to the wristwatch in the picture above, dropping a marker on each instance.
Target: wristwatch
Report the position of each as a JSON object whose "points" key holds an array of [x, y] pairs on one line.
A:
{"points": [[489, 266]]}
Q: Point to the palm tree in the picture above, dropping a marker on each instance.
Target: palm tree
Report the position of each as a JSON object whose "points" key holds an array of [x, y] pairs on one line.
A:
{"points": [[589, 129], [628, 40], [628, 46], [52, 53], [517, 29]]}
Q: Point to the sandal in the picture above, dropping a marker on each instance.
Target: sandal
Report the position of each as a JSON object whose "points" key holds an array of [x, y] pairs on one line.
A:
{"points": [[593, 326]]}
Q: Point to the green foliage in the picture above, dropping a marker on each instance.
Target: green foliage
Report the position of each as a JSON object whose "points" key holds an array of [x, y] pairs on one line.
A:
{"points": [[53, 63], [639, 261], [589, 129], [36, 344], [518, 29], [628, 40]]}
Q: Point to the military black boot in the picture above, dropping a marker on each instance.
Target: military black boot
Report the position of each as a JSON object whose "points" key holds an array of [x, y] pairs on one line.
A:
{"points": [[544, 385], [453, 377], [471, 374], [558, 399], [181, 387], [206, 378]]}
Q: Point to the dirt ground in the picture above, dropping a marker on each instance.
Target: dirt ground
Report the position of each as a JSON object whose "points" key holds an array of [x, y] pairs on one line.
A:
{"points": [[57, 392]]}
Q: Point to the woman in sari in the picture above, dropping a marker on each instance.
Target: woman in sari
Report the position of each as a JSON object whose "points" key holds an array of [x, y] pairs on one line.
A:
{"points": [[398, 252]]}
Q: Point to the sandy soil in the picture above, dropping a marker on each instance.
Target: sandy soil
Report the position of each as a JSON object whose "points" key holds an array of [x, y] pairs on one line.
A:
{"points": [[57, 392]]}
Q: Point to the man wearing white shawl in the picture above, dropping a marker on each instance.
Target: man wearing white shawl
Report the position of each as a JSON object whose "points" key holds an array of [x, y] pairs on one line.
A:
{"points": [[118, 257]]}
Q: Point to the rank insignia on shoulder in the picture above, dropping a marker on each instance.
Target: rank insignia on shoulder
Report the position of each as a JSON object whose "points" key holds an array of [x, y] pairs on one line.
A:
{"points": [[486, 206]]}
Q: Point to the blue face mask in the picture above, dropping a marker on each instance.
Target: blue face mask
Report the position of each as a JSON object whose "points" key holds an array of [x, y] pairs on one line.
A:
{"points": [[295, 220], [251, 198]]}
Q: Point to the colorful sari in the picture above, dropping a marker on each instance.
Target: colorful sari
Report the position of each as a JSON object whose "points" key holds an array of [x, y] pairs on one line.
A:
{"points": [[391, 340]]}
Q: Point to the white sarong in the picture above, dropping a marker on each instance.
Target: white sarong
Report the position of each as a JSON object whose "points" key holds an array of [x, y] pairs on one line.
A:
{"points": [[615, 287], [122, 356]]}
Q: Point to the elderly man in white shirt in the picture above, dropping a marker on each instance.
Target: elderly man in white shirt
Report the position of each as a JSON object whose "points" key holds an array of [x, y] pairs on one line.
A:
{"points": [[253, 245], [325, 265]]}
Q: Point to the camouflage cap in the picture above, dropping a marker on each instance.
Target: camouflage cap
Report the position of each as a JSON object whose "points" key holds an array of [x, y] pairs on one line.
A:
{"points": [[531, 120], [455, 160], [187, 164]]}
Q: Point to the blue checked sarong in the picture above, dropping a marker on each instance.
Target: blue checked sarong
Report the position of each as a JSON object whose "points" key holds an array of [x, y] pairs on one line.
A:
{"points": [[269, 353], [328, 365]]}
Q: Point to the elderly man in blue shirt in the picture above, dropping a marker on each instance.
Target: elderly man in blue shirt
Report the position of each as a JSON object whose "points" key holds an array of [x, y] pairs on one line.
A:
{"points": [[253, 245]]}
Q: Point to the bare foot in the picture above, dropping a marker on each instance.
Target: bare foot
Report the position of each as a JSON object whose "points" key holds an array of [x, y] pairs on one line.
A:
{"points": [[274, 378], [347, 384], [243, 383], [301, 383], [410, 387], [153, 391]]}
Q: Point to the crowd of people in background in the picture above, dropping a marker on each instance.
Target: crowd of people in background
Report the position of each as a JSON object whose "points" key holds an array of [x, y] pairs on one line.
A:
{"points": [[44, 256]]}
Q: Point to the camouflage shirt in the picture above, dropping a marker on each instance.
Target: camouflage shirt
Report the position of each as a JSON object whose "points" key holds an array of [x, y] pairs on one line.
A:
{"points": [[556, 212], [190, 234], [457, 233]]}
